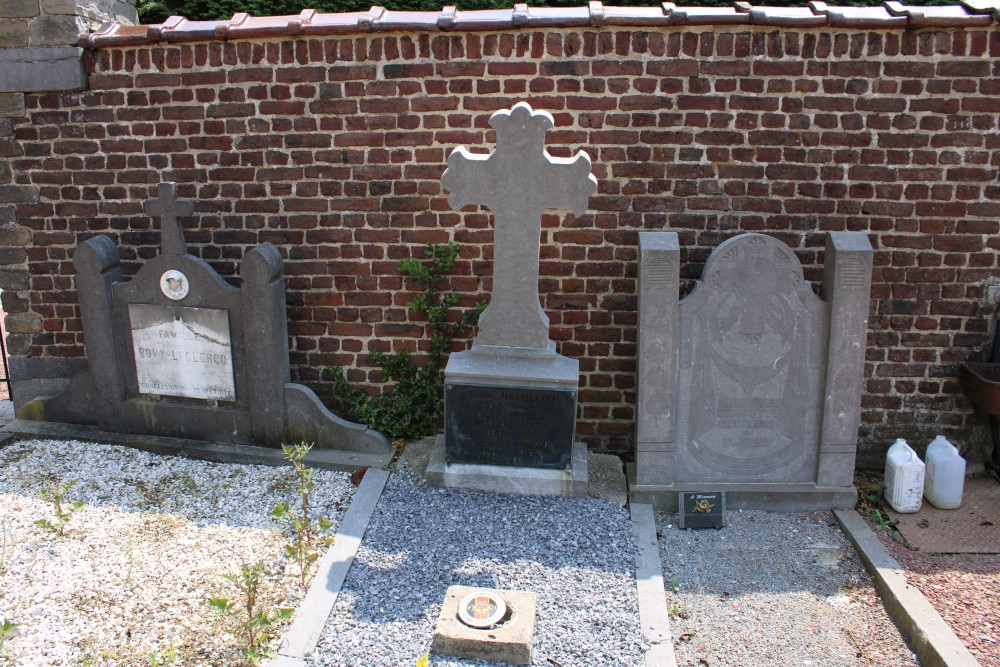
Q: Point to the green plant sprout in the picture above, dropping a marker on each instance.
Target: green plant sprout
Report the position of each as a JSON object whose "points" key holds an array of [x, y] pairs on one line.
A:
{"points": [[168, 656], [870, 505], [62, 512], [6, 631], [249, 622], [308, 532], [412, 406]]}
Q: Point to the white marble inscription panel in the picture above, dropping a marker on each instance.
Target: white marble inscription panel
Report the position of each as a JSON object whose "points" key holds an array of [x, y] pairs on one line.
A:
{"points": [[182, 352]]}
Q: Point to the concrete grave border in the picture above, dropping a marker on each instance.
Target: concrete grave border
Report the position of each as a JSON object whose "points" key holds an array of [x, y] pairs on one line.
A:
{"points": [[928, 635], [314, 610]]}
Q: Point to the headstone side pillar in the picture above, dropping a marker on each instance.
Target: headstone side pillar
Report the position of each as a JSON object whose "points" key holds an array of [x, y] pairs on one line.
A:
{"points": [[266, 326], [847, 289], [97, 269], [656, 392]]}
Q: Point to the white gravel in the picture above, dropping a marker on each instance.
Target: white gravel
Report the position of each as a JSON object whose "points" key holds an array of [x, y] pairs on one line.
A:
{"points": [[774, 589], [576, 555], [133, 573]]}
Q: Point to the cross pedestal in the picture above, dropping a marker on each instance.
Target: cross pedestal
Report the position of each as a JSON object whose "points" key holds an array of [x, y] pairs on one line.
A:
{"points": [[510, 402]]}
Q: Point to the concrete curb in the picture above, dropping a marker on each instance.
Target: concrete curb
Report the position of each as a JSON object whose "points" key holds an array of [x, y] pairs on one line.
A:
{"points": [[306, 629], [929, 636], [653, 613]]}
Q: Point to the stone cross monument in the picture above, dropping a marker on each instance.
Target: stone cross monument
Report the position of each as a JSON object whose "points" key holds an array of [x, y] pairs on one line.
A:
{"points": [[518, 182], [510, 402], [168, 208]]}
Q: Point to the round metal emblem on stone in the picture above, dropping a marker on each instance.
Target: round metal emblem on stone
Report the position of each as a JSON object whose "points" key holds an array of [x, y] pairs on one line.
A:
{"points": [[174, 285], [481, 609]]}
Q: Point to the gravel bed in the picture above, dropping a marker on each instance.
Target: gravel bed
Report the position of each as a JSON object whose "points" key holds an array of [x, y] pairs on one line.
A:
{"points": [[139, 561], [774, 589], [577, 555], [963, 588]]}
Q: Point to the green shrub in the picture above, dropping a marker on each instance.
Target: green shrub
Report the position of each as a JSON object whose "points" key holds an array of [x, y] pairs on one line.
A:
{"points": [[412, 406]]}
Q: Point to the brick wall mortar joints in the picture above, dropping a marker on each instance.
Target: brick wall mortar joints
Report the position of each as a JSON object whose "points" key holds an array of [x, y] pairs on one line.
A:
{"points": [[700, 246]]}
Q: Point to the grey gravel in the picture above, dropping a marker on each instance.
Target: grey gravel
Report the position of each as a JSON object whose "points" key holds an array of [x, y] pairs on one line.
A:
{"points": [[774, 589], [577, 555]]}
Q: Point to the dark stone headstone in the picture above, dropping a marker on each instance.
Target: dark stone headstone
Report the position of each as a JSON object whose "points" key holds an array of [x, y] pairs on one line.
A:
{"points": [[178, 352]]}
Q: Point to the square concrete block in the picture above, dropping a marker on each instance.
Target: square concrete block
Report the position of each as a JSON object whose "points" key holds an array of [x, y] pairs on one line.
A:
{"points": [[509, 642]]}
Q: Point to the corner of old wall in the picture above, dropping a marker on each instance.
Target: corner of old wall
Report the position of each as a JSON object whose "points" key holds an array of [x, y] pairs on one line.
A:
{"points": [[38, 53]]}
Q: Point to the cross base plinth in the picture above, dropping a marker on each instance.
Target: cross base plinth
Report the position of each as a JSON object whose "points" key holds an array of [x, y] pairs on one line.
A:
{"points": [[570, 482], [510, 409]]}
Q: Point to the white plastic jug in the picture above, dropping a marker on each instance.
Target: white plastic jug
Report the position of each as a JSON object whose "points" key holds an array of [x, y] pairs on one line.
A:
{"points": [[945, 476], [904, 478]]}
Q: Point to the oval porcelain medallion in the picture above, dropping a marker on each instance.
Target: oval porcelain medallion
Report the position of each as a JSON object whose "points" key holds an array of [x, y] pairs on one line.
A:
{"points": [[174, 285], [481, 609]]}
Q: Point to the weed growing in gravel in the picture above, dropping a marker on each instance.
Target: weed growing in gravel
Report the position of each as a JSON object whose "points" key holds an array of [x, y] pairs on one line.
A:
{"points": [[249, 622], [304, 549], [677, 611], [163, 658], [870, 506], [62, 510], [7, 630]]}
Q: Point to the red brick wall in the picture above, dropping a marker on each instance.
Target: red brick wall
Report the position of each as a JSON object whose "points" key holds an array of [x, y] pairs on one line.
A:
{"points": [[333, 149]]}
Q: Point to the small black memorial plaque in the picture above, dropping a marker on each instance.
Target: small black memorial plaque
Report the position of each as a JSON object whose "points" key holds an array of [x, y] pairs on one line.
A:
{"points": [[699, 509], [509, 426]]}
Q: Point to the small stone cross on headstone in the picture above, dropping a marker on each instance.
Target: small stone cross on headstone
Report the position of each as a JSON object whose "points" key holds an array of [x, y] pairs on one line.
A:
{"points": [[518, 182], [168, 208]]}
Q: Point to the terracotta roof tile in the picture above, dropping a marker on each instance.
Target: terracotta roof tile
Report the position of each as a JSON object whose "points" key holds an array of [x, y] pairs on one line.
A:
{"points": [[858, 17], [983, 6], [705, 15], [943, 16], [483, 19], [786, 17], [891, 15]]}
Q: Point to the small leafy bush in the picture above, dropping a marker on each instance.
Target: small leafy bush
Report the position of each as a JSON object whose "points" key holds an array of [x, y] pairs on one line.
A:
{"points": [[62, 510], [308, 532], [412, 407], [248, 622]]}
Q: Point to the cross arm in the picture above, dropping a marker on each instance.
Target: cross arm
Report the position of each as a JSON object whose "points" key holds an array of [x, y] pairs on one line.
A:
{"points": [[467, 179], [573, 183]]}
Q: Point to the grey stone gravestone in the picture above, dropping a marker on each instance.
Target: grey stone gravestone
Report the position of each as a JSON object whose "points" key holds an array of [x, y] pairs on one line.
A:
{"points": [[178, 352], [751, 385], [510, 402]]}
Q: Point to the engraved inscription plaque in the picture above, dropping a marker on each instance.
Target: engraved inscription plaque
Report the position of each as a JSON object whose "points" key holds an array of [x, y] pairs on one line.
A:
{"points": [[509, 426], [701, 509], [182, 352]]}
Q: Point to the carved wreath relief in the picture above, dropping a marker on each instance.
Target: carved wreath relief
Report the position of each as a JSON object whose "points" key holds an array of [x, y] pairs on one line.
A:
{"points": [[752, 337]]}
